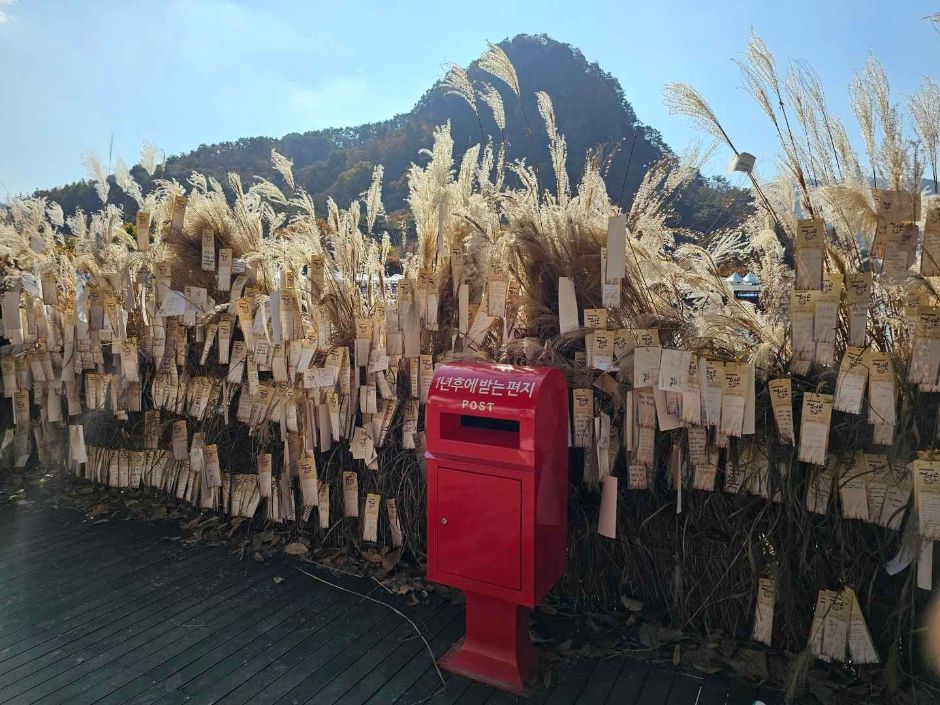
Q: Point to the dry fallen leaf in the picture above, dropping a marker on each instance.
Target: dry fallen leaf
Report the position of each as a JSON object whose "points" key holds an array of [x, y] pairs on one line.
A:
{"points": [[705, 660], [749, 664], [631, 604], [390, 560], [372, 556], [296, 549]]}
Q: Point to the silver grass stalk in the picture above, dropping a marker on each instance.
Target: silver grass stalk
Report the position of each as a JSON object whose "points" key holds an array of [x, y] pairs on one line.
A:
{"points": [[285, 167], [557, 147], [682, 99], [148, 157], [374, 197], [924, 108], [496, 63], [457, 82], [863, 105], [126, 182], [97, 173], [491, 96]]}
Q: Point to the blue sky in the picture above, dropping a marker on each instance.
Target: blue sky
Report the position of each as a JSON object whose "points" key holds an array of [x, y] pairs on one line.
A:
{"points": [[178, 73]]}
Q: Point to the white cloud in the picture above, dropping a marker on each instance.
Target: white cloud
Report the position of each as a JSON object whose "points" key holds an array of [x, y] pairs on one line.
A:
{"points": [[5, 16]]}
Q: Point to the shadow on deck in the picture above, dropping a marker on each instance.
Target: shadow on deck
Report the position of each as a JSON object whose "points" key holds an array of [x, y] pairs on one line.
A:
{"points": [[117, 614]]}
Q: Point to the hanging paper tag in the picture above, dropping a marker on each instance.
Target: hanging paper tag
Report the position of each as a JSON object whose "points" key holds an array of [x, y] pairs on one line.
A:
{"points": [[143, 231], [781, 400], [567, 306], [350, 494], [764, 611], [809, 253], [814, 428], [308, 480], [370, 523], [225, 269], [583, 417], [208, 251]]}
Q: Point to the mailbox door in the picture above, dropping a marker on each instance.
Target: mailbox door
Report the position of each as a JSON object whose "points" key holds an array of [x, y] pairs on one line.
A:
{"points": [[480, 527]]}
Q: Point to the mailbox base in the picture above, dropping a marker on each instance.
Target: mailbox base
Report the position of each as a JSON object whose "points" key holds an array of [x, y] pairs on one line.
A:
{"points": [[496, 648]]}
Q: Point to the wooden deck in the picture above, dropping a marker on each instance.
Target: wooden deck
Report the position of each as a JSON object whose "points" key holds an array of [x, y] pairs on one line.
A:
{"points": [[123, 613]]}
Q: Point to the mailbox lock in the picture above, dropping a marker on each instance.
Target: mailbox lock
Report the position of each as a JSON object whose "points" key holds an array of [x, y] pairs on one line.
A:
{"points": [[444, 520]]}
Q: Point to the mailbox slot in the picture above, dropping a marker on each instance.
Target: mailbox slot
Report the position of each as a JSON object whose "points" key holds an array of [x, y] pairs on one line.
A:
{"points": [[488, 430]]}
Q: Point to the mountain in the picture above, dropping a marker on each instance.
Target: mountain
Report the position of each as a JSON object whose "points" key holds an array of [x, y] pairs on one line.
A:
{"points": [[590, 108]]}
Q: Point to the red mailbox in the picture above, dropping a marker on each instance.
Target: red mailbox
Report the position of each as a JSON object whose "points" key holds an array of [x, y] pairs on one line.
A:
{"points": [[497, 457]]}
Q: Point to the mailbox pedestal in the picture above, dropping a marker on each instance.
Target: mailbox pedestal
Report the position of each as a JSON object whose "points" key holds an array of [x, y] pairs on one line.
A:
{"points": [[496, 648], [497, 507]]}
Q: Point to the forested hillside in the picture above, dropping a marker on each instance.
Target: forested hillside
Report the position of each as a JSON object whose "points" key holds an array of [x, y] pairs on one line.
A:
{"points": [[591, 110]]}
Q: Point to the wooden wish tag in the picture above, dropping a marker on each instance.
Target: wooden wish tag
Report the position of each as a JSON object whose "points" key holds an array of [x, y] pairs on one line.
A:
{"points": [[370, 522], [208, 250], [809, 253], [814, 428], [350, 494], [764, 611]]}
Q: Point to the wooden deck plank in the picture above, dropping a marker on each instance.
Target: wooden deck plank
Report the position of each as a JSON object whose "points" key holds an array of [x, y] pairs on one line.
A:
{"points": [[192, 661], [769, 696], [204, 685], [656, 688], [629, 684], [64, 621], [714, 692], [337, 667], [46, 655], [21, 527], [47, 639], [42, 545], [601, 682], [284, 611], [136, 671], [386, 658], [570, 682], [72, 580], [40, 570], [501, 697], [36, 603], [475, 694], [74, 583], [216, 685], [60, 568], [199, 627], [110, 597], [178, 607], [31, 530], [418, 679], [116, 614], [453, 688], [740, 693], [685, 690], [280, 678], [60, 528]]}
